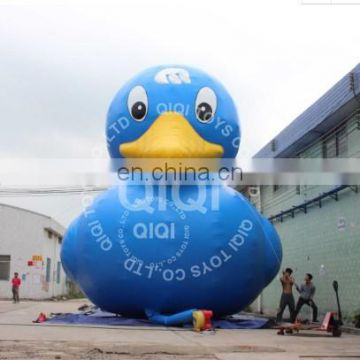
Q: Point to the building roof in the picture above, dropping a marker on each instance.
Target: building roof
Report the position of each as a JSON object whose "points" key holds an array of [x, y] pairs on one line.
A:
{"points": [[55, 226], [27, 210], [337, 103]]}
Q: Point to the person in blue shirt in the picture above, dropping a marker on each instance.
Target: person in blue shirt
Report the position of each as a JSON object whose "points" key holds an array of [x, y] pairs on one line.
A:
{"points": [[307, 292]]}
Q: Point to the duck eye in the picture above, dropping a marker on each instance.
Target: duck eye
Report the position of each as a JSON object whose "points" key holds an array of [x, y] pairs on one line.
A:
{"points": [[205, 105], [138, 103]]}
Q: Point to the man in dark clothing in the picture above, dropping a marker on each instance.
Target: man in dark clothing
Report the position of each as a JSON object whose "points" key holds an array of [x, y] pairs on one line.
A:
{"points": [[307, 292], [287, 297]]}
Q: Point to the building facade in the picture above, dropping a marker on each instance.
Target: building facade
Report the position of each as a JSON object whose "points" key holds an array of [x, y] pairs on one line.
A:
{"points": [[30, 245], [319, 226]]}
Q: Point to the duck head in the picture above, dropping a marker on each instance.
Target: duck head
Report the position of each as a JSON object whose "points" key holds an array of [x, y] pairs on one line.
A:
{"points": [[172, 112]]}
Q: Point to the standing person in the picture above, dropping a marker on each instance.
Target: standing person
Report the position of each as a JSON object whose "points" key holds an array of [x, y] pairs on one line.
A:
{"points": [[307, 292], [15, 282], [287, 297]]}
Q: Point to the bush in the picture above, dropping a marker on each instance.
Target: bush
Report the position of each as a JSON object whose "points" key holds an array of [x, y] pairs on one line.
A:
{"points": [[73, 291], [356, 318]]}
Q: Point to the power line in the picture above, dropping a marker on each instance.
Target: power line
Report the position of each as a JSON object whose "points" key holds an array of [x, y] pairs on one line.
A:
{"points": [[49, 191]]}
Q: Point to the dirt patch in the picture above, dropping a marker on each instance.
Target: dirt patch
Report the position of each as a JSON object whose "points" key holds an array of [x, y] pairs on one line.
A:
{"points": [[83, 350]]}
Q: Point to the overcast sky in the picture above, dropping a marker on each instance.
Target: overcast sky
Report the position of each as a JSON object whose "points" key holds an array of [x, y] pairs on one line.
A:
{"points": [[61, 62]]}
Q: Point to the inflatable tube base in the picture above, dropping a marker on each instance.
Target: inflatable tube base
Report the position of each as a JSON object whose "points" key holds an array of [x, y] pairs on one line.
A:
{"points": [[180, 318]]}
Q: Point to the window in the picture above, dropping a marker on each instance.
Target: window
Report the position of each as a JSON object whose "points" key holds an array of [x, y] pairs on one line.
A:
{"points": [[58, 272], [330, 148], [336, 145], [48, 269], [5, 267], [341, 137], [276, 188]]}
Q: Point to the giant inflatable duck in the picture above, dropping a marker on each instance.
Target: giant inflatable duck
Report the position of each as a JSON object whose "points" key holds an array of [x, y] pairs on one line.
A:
{"points": [[158, 250]]}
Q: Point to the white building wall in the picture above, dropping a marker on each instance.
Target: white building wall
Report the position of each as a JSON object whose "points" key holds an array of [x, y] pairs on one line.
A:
{"points": [[24, 237]]}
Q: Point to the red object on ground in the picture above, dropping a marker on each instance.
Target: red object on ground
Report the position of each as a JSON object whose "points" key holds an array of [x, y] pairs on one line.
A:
{"points": [[208, 314], [41, 318], [16, 282], [330, 324], [327, 321]]}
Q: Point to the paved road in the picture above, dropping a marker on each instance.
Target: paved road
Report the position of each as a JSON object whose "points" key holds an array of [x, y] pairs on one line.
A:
{"points": [[21, 339]]}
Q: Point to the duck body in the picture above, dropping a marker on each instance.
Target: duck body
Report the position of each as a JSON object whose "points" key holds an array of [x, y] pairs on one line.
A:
{"points": [[166, 248], [169, 259]]}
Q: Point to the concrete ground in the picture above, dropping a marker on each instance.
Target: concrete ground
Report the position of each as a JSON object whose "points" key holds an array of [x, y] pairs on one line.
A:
{"points": [[21, 339]]}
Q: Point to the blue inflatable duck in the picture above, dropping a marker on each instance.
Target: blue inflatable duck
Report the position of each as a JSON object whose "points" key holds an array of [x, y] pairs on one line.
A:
{"points": [[159, 250]]}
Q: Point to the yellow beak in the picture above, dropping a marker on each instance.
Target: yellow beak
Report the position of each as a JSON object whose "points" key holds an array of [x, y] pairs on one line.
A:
{"points": [[170, 136]]}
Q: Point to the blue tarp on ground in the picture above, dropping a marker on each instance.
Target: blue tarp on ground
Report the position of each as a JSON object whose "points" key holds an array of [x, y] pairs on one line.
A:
{"points": [[101, 318]]}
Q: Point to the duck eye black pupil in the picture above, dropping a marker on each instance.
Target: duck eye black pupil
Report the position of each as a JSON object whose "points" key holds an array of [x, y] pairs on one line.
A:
{"points": [[204, 111], [138, 110]]}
